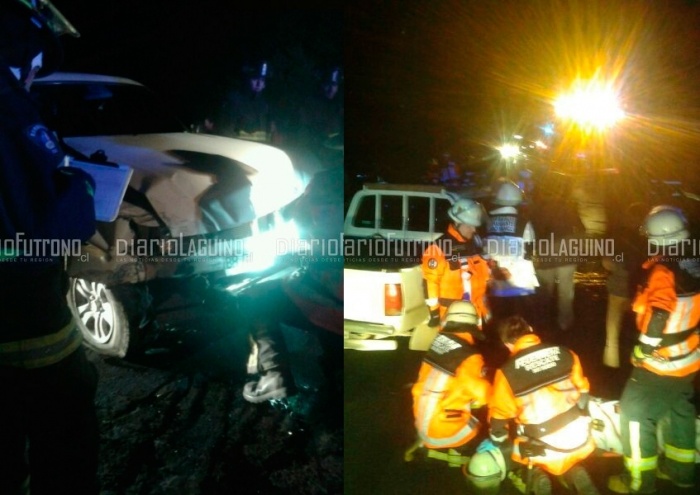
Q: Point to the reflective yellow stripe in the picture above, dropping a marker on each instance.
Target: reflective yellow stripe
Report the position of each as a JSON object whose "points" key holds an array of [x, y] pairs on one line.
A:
{"points": [[680, 455], [452, 457], [41, 351], [37, 342], [636, 464]]}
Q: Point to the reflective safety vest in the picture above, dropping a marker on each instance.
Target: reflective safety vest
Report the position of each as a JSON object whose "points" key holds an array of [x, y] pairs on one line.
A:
{"points": [[41, 351], [672, 289], [454, 270], [450, 384], [506, 236], [539, 388]]}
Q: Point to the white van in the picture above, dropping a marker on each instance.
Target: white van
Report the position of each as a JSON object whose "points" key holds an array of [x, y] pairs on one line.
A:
{"points": [[189, 194], [410, 212], [384, 293]]}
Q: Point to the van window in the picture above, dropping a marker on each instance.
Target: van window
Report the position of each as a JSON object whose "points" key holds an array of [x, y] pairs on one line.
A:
{"points": [[392, 212], [365, 212], [442, 220], [418, 214]]}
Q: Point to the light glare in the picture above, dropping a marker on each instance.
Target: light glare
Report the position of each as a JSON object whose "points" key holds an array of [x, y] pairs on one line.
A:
{"points": [[592, 106]]}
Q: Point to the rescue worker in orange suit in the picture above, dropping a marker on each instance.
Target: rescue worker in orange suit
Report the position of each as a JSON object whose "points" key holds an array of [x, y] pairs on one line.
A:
{"points": [[451, 385], [539, 399], [48, 426], [666, 360], [453, 266]]}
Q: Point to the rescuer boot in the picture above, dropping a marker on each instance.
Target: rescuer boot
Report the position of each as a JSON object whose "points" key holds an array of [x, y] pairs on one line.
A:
{"points": [[662, 475], [272, 385], [538, 484], [269, 364], [578, 481], [541, 484], [620, 483]]}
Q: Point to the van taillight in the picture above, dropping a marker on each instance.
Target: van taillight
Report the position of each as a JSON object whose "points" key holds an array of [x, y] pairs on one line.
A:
{"points": [[393, 300]]}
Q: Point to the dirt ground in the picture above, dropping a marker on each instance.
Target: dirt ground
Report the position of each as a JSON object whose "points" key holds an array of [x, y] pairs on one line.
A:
{"points": [[379, 421], [173, 421]]}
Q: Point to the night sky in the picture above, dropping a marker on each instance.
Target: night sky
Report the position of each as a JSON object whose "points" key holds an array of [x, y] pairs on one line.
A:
{"points": [[421, 78], [429, 77], [191, 52]]}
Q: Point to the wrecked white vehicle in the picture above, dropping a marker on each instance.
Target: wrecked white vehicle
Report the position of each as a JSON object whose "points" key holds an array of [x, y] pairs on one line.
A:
{"points": [[200, 210]]}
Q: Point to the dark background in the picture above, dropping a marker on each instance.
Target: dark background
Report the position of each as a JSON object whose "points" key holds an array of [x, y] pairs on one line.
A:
{"points": [[191, 52], [428, 77]]}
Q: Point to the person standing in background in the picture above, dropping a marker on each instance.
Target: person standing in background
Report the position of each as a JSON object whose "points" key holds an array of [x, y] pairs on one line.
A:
{"points": [[322, 114], [245, 113], [556, 220], [623, 274]]}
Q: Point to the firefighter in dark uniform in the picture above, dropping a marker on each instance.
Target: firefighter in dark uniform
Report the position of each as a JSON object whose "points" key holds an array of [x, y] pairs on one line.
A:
{"points": [[666, 360], [48, 426], [296, 324], [245, 113], [321, 116]]}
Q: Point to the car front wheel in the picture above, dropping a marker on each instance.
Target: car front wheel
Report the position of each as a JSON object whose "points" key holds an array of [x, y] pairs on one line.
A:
{"points": [[102, 316]]}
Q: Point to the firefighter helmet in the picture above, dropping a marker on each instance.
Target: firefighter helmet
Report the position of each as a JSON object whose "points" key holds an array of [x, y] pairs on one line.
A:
{"points": [[462, 312], [665, 225], [334, 76], [257, 70], [486, 471], [508, 194], [466, 211], [29, 31]]}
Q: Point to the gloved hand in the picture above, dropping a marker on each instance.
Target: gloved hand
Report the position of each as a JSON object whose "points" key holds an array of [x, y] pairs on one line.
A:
{"points": [[434, 318], [486, 446], [66, 174], [583, 403], [640, 353]]}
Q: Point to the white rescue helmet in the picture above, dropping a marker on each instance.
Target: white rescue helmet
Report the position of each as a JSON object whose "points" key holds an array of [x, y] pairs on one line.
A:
{"points": [[665, 225], [508, 194], [486, 471], [466, 211], [462, 312]]}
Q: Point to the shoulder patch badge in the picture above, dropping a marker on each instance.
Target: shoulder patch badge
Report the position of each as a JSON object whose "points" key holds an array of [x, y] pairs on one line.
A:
{"points": [[42, 137]]}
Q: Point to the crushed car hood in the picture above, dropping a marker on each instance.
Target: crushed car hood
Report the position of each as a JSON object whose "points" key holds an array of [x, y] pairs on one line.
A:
{"points": [[199, 183]]}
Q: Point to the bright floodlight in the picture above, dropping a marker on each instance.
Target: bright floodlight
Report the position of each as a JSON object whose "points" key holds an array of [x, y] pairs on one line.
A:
{"points": [[592, 105], [509, 151]]}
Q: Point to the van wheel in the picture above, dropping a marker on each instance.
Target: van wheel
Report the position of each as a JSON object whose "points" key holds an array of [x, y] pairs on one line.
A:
{"points": [[104, 317]]}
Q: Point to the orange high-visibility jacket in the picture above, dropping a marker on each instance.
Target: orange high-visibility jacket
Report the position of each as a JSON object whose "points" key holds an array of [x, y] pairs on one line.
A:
{"points": [[538, 388], [668, 312], [450, 384], [453, 266]]}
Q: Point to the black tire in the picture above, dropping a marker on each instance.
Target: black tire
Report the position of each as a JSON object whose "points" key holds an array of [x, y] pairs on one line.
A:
{"points": [[107, 316]]}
